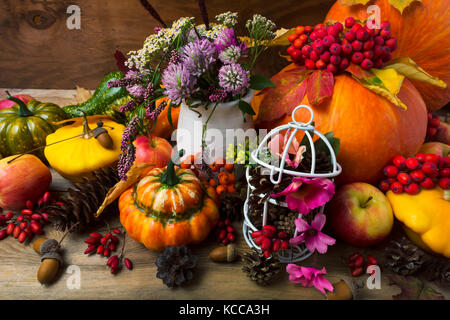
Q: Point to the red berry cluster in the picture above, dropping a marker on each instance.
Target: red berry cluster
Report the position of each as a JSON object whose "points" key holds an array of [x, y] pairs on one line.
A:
{"points": [[28, 223], [270, 240], [356, 263], [334, 47], [433, 125], [105, 245], [225, 232], [421, 171]]}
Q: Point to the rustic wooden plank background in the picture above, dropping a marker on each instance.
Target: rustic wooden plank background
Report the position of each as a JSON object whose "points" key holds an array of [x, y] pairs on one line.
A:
{"points": [[58, 58], [19, 265]]}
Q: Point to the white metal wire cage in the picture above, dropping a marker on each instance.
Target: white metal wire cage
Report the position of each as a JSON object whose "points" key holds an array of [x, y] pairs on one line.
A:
{"points": [[294, 253]]}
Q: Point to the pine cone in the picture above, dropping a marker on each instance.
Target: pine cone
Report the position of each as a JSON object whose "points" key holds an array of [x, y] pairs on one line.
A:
{"points": [[259, 268], [260, 179], [175, 266], [403, 257], [81, 203], [256, 211], [231, 207], [438, 269], [285, 222], [323, 163]]}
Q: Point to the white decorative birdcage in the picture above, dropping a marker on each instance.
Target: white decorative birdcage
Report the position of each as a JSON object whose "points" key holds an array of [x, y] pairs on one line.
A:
{"points": [[298, 252]]}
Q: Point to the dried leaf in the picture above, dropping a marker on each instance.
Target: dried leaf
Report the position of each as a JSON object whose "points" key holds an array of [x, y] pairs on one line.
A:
{"points": [[82, 95], [319, 86], [281, 38], [413, 289], [391, 79], [370, 81], [133, 175], [411, 70]]}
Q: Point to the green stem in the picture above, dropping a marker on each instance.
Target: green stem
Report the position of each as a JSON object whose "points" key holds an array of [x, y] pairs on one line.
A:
{"points": [[205, 125], [23, 109], [365, 204], [169, 177], [87, 132]]}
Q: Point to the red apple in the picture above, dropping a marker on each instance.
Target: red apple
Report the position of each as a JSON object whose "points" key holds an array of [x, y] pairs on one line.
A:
{"points": [[360, 214], [437, 148], [153, 150], [25, 178], [443, 133], [8, 103]]}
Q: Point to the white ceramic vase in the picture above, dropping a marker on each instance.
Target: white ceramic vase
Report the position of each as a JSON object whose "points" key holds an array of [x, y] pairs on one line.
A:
{"points": [[226, 118]]}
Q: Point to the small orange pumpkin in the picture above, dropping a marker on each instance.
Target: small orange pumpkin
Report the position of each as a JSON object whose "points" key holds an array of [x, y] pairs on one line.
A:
{"points": [[168, 207]]}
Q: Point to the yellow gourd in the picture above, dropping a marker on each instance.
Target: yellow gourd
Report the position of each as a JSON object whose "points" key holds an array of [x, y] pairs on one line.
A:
{"points": [[84, 145], [426, 217]]}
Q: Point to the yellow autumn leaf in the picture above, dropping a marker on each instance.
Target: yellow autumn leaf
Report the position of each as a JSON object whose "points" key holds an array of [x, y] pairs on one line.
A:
{"points": [[281, 38], [400, 5], [411, 70], [353, 2], [391, 79], [384, 92]]}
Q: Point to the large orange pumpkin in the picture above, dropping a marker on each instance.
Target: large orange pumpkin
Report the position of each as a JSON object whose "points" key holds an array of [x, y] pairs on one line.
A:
{"points": [[168, 207], [371, 129], [423, 34]]}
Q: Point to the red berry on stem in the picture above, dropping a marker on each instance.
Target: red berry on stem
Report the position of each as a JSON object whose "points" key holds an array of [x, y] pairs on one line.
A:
{"points": [[412, 188], [362, 34], [350, 36], [367, 64], [430, 169], [332, 68], [292, 37], [266, 244], [257, 234], [397, 187], [444, 173], [432, 158], [420, 157], [384, 186], [390, 171], [344, 64], [16, 231], [404, 178], [349, 22], [357, 272], [9, 215], [3, 234], [22, 237], [299, 30], [357, 45], [29, 204], [357, 57], [359, 261], [434, 122], [399, 162], [412, 163], [100, 249], [385, 25], [427, 183], [333, 31], [298, 43], [417, 175], [325, 57], [10, 228], [90, 248], [335, 59], [258, 241], [385, 33], [284, 245], [444, 183], [128, 263]]}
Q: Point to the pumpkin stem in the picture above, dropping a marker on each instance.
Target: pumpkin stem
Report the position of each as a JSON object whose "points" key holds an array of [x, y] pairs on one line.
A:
{"points": [[87, 132], [169, 177], [23, 109]]}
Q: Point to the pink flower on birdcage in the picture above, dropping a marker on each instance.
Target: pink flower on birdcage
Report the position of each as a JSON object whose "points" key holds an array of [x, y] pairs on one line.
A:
{"points": [[278, 144], [305, 194], [311, 234], [309, 277]]}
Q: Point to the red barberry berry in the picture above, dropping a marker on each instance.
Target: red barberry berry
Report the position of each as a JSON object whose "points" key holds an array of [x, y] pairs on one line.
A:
{"points": [[444, 183], [390, 171], [427, 183], [397, 187], [412, 188]]}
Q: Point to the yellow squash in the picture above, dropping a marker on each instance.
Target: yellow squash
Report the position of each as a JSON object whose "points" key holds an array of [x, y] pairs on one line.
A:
{"points": [[84, 145], [426, 217]]}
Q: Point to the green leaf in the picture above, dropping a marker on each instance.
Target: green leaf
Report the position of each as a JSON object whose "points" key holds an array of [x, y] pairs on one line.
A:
{"points": [[411, 70], [169, 115], [259, 82], [335, 143], [413, 289], [246, 108], [370, 81]]}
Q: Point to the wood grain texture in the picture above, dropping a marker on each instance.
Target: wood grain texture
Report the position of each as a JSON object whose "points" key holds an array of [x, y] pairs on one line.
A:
{"points": [[19, 264], [59, 58]]}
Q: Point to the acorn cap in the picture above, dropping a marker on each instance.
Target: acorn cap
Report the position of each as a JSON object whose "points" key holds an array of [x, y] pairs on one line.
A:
{"points": [[345, 290], [53, 255], [48, 246]]}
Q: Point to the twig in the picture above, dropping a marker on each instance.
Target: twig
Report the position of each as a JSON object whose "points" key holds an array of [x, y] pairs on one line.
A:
{"points": [[153, 12], [204, 12]]}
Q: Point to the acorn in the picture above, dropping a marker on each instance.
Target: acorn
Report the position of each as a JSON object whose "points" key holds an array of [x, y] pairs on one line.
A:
{"points": [[103, 137], [224, 254], [44, 245], [344, 290], [49, 268]]}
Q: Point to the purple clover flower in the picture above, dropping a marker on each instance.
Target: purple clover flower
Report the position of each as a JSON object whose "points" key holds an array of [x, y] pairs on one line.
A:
{"points": [[225, 39], [217, 95], [126, 160], [129, 106], [233, 53], [198, 56], [233, 78], [178, 82]]}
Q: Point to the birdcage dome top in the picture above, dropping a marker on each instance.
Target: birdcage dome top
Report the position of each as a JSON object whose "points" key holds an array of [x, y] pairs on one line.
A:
{"points": [[290, 130]]}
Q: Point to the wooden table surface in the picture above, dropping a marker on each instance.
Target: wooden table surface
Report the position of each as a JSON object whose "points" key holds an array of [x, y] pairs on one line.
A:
{"points": [[19, 265]]}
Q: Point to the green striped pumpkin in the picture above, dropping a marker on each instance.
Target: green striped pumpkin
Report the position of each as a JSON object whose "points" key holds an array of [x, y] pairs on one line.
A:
{"points": [[24, 127]]}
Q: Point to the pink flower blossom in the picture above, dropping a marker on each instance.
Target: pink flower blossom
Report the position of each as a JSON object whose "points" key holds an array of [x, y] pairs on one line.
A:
{"points": [[312, 235], [305, 194], [309, 277], [277, 145]]}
